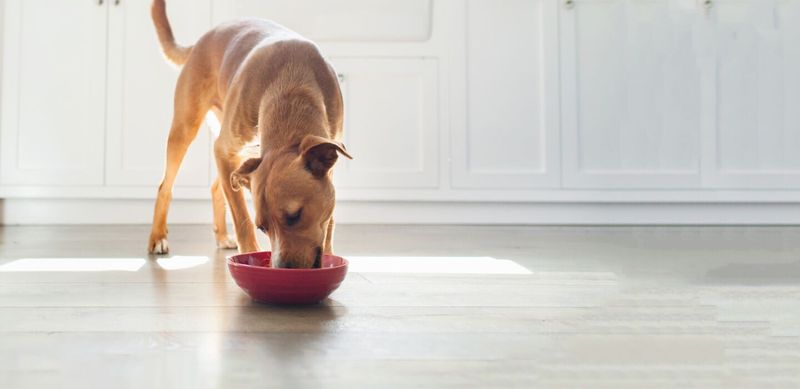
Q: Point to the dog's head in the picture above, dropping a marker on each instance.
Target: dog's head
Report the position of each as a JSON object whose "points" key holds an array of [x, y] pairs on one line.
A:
{"points": [[293, 197]]}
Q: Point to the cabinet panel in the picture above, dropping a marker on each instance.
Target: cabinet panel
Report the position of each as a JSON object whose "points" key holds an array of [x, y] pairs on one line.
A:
{"points": [[754, 139], [511, 136], [141, 89], [391, 125], [53, 92], [341, 20], [632, 96]]}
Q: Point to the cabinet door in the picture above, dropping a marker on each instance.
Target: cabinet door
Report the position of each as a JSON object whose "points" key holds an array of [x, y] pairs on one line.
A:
{"points": [[53, 113], [510, 139], [631, 94], [141, 87], [390, 125], [753, 137]]}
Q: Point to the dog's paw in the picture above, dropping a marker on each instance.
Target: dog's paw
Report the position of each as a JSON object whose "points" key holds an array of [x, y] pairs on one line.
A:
{"points": [[226, 243], [159, 246]]}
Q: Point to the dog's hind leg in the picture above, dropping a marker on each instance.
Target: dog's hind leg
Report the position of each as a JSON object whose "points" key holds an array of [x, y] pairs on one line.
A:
{"points": [[191, 105]]}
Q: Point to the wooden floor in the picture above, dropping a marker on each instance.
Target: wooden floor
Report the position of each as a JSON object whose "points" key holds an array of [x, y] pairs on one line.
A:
{"points": [[494, 307]]}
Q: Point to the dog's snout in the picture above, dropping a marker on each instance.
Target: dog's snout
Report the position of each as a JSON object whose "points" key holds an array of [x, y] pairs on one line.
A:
{"points": [[294, 262]]}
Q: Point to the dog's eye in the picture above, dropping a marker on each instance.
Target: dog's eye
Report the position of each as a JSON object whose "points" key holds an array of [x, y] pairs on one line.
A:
{"points": [[262, 229], [294, 218]]}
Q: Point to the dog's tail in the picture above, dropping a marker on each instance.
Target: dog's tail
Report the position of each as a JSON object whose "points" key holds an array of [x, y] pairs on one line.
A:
{"points": [[174, 52]]}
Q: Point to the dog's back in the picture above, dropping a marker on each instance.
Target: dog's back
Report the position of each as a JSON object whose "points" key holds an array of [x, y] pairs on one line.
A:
{"points": [[253, 53]]}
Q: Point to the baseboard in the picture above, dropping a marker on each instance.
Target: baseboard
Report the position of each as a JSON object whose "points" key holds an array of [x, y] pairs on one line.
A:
{"points": [[99, 211]]}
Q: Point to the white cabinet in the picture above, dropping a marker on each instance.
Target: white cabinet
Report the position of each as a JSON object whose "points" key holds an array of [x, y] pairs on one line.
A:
{"points": [[391, 125], [54, 97], [510, 136], [112, 104], [88, 97], [140, 95], [445, 100], [752, 137], [631, 94]]}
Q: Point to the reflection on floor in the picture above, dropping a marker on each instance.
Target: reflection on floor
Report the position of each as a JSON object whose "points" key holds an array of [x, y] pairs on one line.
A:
{"points": [[435, 306]]}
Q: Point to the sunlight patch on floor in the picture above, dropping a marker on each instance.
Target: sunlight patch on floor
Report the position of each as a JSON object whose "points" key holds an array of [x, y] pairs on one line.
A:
{"points": [[73, 265], [435, 265], [181, 262]]}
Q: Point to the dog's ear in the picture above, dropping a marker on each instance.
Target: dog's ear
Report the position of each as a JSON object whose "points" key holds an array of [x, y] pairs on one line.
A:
{"points": [[241, 177], [319, 154]]}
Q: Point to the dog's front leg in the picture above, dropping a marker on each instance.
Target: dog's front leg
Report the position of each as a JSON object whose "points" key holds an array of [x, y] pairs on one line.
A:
{"points": [[220, 228], [227, 162], [327, 248]]}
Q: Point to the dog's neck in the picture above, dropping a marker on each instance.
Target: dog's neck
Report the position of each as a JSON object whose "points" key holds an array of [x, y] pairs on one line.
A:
{"points": [[288, 114]]}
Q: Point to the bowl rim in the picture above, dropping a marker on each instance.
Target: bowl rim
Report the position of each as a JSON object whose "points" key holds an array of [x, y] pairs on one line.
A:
{"points": [[235, 264]]}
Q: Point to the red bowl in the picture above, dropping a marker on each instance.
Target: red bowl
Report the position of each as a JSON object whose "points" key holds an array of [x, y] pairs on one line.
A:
{"points": [[263, 283]]}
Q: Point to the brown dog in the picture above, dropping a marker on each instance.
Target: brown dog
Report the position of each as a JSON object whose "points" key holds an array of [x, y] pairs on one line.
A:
{"points": [[267, 85]]}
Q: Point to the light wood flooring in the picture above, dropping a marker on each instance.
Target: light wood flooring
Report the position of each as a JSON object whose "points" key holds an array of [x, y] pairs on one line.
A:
{"points": [[425, 306]]}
